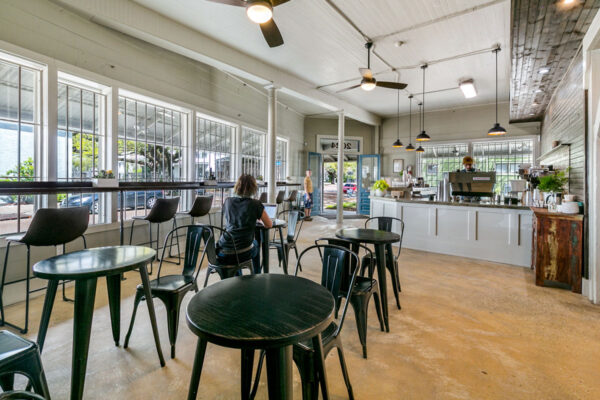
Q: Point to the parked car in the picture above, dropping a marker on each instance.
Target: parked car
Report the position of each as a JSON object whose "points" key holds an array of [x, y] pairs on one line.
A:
{"points": [[350, 188], [144, 199]]}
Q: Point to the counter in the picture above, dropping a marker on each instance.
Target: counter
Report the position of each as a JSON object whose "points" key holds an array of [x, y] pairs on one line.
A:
{"points": [[492, 232]]}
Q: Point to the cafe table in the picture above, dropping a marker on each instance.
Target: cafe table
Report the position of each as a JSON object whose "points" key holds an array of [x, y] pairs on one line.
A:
{"points": [[85, 267], [382, 240], [263, 233], [262, 311]]}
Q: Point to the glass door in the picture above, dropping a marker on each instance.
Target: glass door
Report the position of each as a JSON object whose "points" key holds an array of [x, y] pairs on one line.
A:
{"points": [[315, 164], [368, 173]]}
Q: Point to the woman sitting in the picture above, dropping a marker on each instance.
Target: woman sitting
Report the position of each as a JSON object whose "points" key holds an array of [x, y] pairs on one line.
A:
{"points": [[241, 214]]}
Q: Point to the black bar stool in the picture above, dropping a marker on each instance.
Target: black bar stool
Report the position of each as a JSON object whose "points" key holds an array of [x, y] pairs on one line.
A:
{"points": [[279, 199], [291, 199], [200, 208], [163, 210], [264, 197], [21, 356], [49, 227]]}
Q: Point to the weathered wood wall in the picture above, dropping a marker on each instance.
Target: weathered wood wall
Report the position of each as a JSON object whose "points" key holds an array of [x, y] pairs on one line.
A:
{"points": [[565, 121]]}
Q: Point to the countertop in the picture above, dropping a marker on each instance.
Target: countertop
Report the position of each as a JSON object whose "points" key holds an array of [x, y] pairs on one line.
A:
{"points": [[451, 203]]}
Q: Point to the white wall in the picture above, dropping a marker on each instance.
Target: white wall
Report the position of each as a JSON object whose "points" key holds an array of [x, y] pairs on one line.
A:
{"points": [[453, 124], [44, 32]]}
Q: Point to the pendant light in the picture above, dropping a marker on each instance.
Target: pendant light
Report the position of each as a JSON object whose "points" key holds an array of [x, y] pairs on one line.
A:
{"points": [[410, 147], [423, 136], [497, 130], [420, 148], [398, 144]]}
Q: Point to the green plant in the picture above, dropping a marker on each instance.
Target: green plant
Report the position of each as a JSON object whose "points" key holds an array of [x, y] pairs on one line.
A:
{"points": [[554, 183], [381, 185]]}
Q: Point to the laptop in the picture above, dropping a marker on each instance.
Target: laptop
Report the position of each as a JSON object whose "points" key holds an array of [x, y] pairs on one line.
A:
{"points": [[271, 210]]}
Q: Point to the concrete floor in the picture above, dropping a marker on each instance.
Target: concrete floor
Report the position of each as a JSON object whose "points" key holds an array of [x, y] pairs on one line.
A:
{"points": [[468, 330]]}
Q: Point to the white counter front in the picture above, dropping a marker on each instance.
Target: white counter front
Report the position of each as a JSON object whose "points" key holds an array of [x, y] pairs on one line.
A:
{"points": [[499, 234]]}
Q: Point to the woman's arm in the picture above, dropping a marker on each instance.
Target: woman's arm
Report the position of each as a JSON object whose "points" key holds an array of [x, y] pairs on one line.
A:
{"points": [[264, 218]]}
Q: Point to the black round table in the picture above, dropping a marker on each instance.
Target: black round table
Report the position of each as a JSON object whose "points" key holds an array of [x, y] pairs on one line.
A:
{"points": [[263, 233], [264, 311], [85, 267], [382, 241]]}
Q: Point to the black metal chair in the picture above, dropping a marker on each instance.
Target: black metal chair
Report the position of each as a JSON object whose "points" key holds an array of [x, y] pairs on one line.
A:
{"points": [[294, 219], [171, 289], [386, 224], [49, 227], [21, 356], [264, 197], [214, 266], [163, 210], [364, 288], [20, 395], [279, 198], [291, 199]]}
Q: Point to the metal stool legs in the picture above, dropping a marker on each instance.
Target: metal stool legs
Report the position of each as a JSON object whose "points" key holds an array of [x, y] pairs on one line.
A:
{"points": [[23, 330]]}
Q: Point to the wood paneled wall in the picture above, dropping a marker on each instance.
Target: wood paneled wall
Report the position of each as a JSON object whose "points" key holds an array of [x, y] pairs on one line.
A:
{"points": [[565, 121]]}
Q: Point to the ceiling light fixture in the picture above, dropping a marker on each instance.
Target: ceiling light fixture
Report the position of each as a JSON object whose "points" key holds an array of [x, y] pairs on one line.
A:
{"points": [[259, 11], [544, 70], [420, 149], [423, 136], [410, 147], [398, 144], [468, 88], [368, 84], [497, 130]]}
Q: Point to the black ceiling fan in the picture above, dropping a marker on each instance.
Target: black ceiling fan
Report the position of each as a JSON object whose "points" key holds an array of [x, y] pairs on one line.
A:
{"points": [[260, 12], [368, 82]]}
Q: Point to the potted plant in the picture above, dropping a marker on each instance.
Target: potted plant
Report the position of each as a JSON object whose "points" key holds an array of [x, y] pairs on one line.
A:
{"points": [[554, 184], [105, 179], [379, 187]]}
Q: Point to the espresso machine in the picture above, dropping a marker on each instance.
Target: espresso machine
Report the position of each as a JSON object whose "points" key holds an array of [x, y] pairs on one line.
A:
{"points": [[472, 186]]}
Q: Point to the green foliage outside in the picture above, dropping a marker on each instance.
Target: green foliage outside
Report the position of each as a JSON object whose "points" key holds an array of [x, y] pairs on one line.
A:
{"points": [[348, 205], [27, 174], [349, 171]]}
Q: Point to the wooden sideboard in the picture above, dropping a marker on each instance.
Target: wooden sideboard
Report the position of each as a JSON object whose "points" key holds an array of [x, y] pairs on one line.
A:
{"points": [[557, 255]]}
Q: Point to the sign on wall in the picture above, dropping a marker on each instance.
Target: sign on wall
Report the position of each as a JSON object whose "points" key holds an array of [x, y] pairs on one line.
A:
{"points": [[330, 145]]}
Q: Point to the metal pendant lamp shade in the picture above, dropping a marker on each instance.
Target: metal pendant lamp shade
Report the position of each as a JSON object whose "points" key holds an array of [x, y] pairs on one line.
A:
{"points": [[497, 130], [398, 144], [423, 136], [410, 147]]}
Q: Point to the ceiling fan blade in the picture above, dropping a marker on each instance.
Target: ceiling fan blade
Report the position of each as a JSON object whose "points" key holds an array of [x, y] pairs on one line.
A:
{"points": [[278, 2], [271, 33], [237, 3], [391, 85], [366, 73], [348, 88]]}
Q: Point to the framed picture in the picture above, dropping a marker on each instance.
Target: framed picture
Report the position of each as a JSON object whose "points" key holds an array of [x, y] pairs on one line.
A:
{"points": [[398, 165]]}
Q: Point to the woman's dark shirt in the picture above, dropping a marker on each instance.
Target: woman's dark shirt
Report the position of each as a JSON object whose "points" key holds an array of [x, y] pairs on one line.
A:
{"points": [[240, 215]]}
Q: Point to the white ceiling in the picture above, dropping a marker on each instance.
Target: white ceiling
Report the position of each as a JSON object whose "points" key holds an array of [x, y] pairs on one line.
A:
{"points": [[321, 47]]}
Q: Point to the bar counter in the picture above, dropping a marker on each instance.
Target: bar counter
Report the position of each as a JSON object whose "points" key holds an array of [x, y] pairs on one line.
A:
{"points": [[492, 232]]}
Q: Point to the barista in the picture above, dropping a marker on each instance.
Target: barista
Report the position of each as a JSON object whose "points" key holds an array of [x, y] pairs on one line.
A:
{"points": [[468, 164]]}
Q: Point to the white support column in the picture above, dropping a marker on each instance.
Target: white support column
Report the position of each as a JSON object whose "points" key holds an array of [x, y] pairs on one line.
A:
{"points": [[340, 171], [46, 150], [237, 167], [190, 158], [112, 149], [271, 141]]}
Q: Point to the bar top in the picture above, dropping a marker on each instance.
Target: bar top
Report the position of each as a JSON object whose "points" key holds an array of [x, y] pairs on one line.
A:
{"points": [[451, 203]]}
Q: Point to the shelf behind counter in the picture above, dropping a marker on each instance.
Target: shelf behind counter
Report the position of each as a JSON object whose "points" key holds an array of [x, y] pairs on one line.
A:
{"points": [[492, 232]]}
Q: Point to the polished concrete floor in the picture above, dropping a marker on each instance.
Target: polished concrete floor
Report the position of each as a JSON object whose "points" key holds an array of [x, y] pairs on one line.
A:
{"points": [[467, 330]]}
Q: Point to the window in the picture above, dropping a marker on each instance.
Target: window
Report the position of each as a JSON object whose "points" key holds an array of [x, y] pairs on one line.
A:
{"points": [[20, 127], [253, 153], [281, 160], [504, 158], [214, 155], [151, 142], [438, 159], [80, 132]]}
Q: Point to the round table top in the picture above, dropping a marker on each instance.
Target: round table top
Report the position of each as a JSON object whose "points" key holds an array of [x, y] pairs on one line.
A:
{"points": [[260, 311], [90, 263], [277, 223], [371, 236]]}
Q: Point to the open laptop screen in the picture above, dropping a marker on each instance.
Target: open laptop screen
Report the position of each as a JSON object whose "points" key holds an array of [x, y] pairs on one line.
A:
{"points": [[271, 210]]}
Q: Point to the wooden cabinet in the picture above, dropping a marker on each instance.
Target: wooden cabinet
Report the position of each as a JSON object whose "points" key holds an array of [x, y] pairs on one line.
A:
{"points": [[557, 256]]}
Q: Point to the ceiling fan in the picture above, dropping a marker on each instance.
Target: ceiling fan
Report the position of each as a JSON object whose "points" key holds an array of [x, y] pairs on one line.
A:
{"points": [[368, 82], [260, 12]]}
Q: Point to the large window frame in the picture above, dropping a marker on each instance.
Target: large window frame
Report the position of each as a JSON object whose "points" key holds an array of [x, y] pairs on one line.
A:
{"points": [[214, 150], [432, 178], [281, 159], [253, 152]]}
